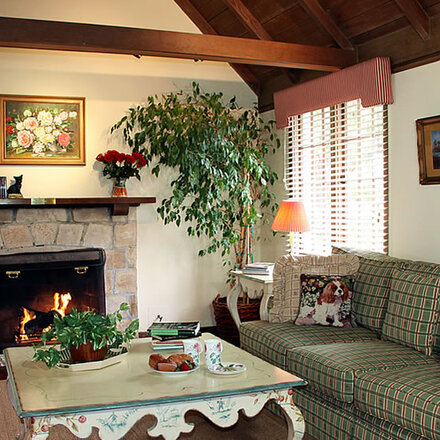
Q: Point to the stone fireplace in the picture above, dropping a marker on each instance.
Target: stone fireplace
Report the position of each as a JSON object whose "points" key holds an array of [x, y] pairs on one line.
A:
{"points": [[51, 229]]}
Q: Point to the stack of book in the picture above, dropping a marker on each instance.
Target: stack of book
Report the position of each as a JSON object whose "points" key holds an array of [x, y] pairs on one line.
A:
{"points": [[169, 335], [258, 269]]}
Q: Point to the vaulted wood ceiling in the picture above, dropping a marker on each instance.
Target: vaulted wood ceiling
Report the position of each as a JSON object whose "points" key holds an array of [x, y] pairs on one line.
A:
{"points": [[272, 44], [408, 31]]}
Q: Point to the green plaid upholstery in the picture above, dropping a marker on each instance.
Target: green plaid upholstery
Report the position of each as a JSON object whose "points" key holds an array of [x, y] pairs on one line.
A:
{"points": [[371, 287], [324, 420], [428, 269], [366, 427], [272, 341], [412, 312], [332, 368], [409, 397]]}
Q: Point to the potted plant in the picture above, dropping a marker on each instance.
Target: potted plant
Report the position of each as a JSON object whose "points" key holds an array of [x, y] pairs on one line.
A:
{"points": [[219, 150], [87, 335]]}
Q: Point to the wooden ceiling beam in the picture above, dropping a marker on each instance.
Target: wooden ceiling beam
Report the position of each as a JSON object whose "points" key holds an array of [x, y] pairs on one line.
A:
{"points": [[314, 8], [205, 27], [253, 25], [248, 19], [81, 37], [417, 16]]}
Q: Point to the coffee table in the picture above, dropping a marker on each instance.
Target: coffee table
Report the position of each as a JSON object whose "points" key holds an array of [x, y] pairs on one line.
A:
{"points": [[113, 399]]}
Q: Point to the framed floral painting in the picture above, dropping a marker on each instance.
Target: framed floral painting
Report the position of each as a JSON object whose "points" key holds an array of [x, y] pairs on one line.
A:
{"points": [[428, 145], [42, 130]]}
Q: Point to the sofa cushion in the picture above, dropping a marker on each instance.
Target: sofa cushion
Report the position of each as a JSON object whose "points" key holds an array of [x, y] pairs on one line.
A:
{"points": [[331, 368], [412, 312], [272, 341], [287, 283], [371, 287], [429, 269], [409, 397]]}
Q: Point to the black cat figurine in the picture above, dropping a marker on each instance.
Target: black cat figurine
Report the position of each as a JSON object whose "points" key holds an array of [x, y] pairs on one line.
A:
{"points": [[14, 191]]}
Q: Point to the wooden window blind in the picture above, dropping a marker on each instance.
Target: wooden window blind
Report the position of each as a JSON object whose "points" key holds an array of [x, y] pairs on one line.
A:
{"points": [[336, 162]]}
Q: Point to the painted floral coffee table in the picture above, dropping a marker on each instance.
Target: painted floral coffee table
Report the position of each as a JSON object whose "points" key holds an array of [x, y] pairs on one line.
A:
{"points": [[113, 399]]}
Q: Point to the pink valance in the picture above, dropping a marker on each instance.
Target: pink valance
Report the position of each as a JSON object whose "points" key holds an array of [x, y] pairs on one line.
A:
{"points": [[369, 81]]}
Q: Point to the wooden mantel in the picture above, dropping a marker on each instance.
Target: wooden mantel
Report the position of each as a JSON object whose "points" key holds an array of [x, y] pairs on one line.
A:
{"points": [[118, 205]]}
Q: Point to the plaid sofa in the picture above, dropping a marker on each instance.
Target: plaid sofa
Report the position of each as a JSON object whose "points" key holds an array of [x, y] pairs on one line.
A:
{"points": [[377, 381]]}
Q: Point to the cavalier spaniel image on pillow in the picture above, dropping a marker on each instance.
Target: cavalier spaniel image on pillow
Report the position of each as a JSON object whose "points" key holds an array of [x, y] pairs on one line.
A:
{"points": [[325, 300]]}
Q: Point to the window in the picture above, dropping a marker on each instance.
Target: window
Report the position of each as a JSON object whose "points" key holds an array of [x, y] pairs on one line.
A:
{"points": [[337, 164]]}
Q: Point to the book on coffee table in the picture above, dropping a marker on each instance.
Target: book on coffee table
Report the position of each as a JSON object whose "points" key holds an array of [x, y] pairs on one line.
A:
{"points": [[175, 329]]}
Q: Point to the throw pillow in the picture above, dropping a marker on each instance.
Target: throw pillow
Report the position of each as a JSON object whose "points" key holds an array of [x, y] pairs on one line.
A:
{"points": [[325, 300], [412, 313], [287, 280], [371, 288]]}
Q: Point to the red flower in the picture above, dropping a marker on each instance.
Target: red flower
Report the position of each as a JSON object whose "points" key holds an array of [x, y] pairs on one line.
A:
{"points": [[8, 119], [82, 419], [110, 156], [10, 129], [99, 157], [120, 157], [129, 159]]}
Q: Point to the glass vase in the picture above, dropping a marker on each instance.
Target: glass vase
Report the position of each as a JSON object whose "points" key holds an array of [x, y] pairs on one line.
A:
{"points": [[119, 189]]}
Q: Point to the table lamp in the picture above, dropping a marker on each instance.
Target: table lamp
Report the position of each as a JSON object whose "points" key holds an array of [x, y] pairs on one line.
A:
{"points": [[291, 217]]}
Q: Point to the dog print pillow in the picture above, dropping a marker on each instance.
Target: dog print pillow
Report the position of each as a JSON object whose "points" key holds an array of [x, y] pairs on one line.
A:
{"points": [[325, 300]]}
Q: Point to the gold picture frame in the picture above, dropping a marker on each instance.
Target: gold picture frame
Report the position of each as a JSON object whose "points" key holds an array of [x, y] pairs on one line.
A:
{"points": [[42, 130], [428, 146]]}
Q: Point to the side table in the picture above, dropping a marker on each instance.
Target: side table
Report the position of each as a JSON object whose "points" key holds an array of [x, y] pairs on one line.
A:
{"points": [[255, 286]]}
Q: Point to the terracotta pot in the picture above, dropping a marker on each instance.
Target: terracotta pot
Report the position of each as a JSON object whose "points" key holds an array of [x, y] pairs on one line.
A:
{"points": [[86, 353]]}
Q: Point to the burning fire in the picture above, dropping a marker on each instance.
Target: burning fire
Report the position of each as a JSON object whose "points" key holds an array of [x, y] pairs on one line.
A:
{"points": [[27, 316], [60, 303]]}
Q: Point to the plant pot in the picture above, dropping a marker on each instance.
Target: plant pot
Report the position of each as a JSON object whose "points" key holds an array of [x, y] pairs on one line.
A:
{"points": [[86, 353], [226, 327]]}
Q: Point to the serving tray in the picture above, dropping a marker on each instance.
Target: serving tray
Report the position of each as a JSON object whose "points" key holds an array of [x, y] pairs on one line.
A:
{"points": [[112, 357]]}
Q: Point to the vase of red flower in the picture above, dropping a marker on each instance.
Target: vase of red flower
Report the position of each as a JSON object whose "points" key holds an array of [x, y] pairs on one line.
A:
{"points": [[120, 167]]}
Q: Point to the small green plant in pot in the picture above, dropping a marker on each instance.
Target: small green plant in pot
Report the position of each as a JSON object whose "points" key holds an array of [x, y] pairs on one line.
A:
{"points": [[81, 332]]}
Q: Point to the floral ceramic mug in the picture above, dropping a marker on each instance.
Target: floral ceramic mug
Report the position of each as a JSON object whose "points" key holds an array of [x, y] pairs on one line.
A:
{"points": [[213, 349], [193, 348]]}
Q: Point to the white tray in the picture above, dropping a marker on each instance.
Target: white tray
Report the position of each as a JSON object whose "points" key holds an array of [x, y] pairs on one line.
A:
{"points": [[111, 358]]}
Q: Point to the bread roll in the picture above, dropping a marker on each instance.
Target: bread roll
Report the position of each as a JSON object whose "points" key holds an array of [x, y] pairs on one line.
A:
{"points": [[180, 358], [155, 359]]}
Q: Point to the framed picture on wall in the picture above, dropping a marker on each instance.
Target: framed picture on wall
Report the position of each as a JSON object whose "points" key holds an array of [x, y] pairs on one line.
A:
{"points": [[42, 130], [428, 144]]}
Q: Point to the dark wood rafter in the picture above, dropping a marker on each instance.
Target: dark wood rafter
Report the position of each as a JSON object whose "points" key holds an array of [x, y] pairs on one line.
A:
{"points": [[417, 16], [242, 70], [253, 25], [55, 35], [324, 18], [413, 53]]}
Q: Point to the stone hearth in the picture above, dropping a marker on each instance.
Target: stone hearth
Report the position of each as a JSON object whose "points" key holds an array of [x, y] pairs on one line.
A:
{"points": [[30, 229]]}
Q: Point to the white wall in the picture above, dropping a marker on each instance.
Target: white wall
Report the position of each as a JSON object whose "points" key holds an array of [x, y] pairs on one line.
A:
{"points": [[414, 208], [172, 280]]}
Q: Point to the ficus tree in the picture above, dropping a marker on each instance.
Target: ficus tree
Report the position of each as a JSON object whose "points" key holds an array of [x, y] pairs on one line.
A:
{"points": [[219, 150]]}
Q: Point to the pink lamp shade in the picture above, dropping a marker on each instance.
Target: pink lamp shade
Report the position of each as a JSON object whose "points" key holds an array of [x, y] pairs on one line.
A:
{"points": [[291, 217]]}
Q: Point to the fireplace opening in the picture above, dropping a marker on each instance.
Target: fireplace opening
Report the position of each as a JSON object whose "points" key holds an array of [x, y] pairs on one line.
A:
{"points": [[36, 286]]}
